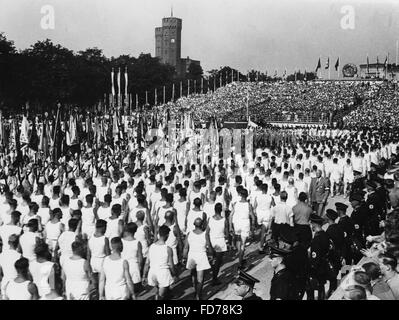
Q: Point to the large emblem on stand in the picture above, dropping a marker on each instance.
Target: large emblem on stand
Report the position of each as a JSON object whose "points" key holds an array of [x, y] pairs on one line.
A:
{"points": [[349, 70]]}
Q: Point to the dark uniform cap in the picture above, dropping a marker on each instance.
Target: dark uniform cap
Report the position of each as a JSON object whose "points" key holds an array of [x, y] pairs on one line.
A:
{"points": [[275, 251], [331, 214], [287, 234], [341, 206], [355, 172], [316, 219], [356, 197], [371, 183], [246, 278]]}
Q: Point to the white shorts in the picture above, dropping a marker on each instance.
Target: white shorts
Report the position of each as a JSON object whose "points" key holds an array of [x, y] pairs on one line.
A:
{"points": [[219, 244], [263, 217], [134, 270], [198, 261], [97, 264], [242, 228], [116, 292], [348, 180], [335, 180], [160, 278], [77, 290]]}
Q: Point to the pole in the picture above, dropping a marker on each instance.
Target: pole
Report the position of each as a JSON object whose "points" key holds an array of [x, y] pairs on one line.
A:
{"points": [[188, 87], [146, 97], [164, 98], [137, 102], [247, 104], [181, 88], [214, 84], [173, 92], [397, 51], [202, 85]]}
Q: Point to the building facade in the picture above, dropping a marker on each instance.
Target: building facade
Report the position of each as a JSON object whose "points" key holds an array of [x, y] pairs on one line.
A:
{"points": [[168, 45]]}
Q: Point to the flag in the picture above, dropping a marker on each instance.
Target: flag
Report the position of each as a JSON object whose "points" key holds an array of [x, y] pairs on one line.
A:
{"points": [[386, 62], [337, 65], [112, 81], [126, 82], [318, 65], [304, 76], [285, 73], [155, 97], [115, 128], [377, 63], [72, 133], [34, 138], [17, 145], [44, 142], [327, 63], [173, 92], [275, 74], [119, 82], [24, 135]]}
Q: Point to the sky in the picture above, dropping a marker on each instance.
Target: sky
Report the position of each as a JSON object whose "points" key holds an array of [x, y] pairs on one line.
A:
{"points": [[265, 35]]}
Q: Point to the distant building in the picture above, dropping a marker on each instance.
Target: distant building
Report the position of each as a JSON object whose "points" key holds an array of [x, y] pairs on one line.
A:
{"points": [[168, 45], [185, 64], [377, 70]]}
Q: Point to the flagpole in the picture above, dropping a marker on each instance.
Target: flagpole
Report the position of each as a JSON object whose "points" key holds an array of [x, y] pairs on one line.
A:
{"points": [[329, 69], [397, 51]]}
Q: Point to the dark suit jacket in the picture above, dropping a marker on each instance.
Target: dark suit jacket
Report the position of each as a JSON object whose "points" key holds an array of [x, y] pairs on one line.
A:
{"points": [[319, 190]]}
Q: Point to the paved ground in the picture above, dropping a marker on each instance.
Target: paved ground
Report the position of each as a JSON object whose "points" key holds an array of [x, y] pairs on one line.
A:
{"points": [[258, 265]]}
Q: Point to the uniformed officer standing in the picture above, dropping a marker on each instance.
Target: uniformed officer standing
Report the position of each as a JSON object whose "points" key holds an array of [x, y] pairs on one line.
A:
{"points": [[347, 226], [336, 234], [374, 210], [358, 217], [297, 261], [358, 183], [319, 248], [283, 282], [245, 286]]}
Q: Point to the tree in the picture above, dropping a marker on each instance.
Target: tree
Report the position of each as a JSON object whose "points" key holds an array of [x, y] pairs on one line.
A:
{"points": [[195, 71]]}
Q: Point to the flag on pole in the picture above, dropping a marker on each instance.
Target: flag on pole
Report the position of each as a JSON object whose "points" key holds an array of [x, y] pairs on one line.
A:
{"points": [[377, 63], [112, 81], [386, 63], [181, 89], [305, 77], [173, 92], [337, 64], [318, 65], [18, 149], [119, 81], [328, 63], [156, 97], [164, 95], [202, 85], [126, 82], [188, 87], [24, 136], [285, 74], [220, 79], [34, 138], [137, 102]]}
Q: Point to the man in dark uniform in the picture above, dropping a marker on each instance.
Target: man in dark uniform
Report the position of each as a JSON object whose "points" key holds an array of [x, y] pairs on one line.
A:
{"points": [[297, 261], [358, 183], [358, 217], [245, 286], [336, 234], [319, 248], [374, 210], [283, 282], [347, 226]]}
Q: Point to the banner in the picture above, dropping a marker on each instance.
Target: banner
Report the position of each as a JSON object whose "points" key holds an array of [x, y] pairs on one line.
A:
{"points": [[249, 143], [236, 143], [225, 134]]}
